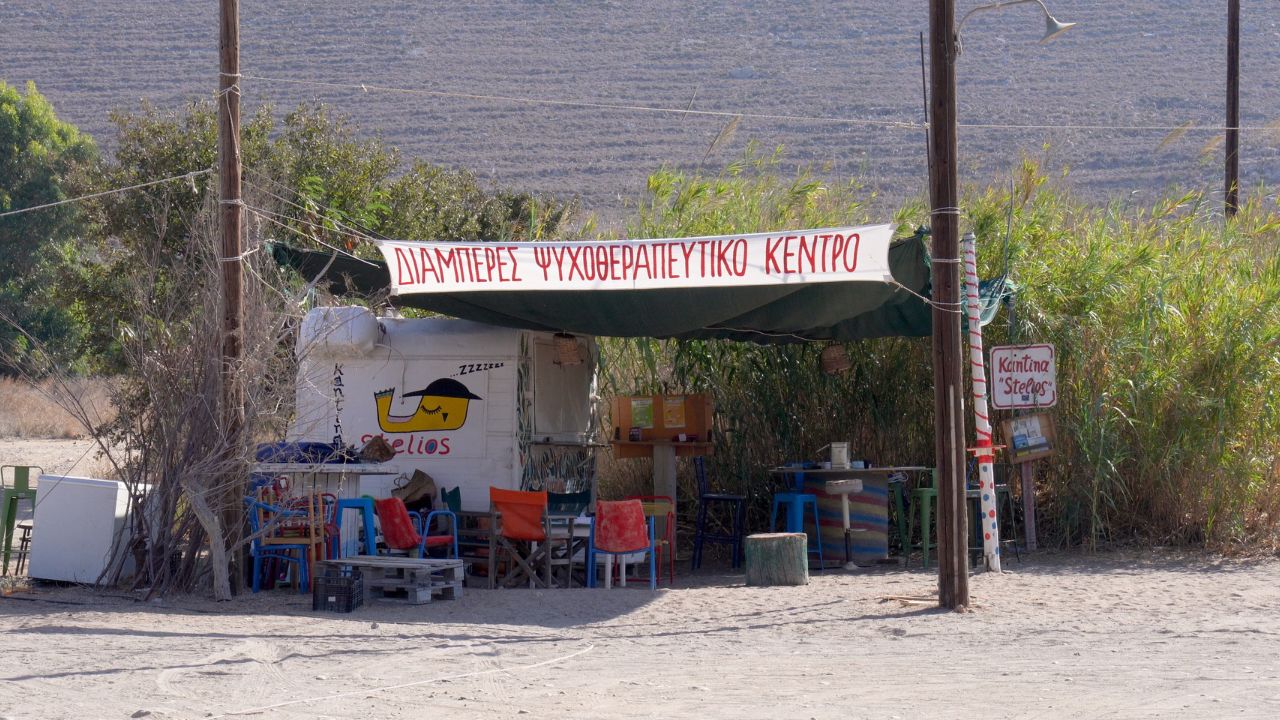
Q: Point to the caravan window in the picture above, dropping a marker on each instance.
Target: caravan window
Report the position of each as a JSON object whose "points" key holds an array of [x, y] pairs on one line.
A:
{"points": [[561, 394]]}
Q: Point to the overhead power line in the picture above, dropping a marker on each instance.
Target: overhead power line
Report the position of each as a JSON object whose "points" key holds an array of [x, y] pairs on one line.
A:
{"points": [[624, 107], [635, 107], [184, 176]]}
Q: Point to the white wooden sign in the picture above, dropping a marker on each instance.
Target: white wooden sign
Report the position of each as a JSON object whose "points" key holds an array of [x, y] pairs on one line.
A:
{"points": [[1023, 376], [778, 258]]}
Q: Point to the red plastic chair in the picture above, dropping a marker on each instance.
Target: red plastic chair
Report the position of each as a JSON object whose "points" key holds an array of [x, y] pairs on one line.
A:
{"points": [[329, 507], [399, 531], [621, 528], [404, 530]]}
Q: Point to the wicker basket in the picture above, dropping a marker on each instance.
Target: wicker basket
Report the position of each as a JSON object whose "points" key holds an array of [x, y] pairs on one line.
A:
{"points": [[568, 352], [835, 359]]}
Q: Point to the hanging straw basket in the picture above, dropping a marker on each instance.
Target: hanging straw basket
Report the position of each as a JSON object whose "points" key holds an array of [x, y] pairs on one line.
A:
{"points": [[568, 351], [835, 359]]}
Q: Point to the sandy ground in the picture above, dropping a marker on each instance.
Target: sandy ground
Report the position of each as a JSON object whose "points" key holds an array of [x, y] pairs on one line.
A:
{"points": [[1149, 635], [1122, 635], [56, 457]]}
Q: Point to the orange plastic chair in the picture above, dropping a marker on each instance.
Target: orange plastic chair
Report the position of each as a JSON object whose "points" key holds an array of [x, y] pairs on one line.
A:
{"points": [[662, 506], [520, 528]]}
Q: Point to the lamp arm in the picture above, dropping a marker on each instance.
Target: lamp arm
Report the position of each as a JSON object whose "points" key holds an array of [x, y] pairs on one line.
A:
{"points": [[995, 6]]}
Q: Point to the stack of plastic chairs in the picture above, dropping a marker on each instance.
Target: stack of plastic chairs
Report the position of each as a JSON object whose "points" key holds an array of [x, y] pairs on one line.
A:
{"points": [[13, 492], [285, 531]]}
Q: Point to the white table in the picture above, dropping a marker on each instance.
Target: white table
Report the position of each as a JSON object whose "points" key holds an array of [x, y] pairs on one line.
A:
{"points": [[329, 472]]}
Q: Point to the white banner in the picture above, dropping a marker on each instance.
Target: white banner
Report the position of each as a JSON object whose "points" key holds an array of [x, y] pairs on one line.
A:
{"points": [[779, 258]]}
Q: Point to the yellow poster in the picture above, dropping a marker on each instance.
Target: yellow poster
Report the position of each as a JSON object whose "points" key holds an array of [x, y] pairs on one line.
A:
{"points": [[673, 411]]}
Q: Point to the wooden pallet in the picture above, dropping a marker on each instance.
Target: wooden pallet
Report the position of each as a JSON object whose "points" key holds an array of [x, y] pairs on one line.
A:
{"points": [[421, 579]]}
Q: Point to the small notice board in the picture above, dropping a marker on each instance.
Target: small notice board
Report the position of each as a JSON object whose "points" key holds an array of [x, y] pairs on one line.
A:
{"points": [[1029, 437], [642, 421]]}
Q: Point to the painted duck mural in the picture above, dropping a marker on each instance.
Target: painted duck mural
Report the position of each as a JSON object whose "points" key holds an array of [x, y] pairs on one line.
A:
{"points": [[442, 405]]}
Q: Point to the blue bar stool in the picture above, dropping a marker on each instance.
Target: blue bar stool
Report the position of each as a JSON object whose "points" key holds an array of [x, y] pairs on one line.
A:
{"points": [[706, 498], [796, 501]]}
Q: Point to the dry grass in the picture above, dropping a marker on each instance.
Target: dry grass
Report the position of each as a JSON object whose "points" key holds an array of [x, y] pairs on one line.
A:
{"points": [[30, 412]]}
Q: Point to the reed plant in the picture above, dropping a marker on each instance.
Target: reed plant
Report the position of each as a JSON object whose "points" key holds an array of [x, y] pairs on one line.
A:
{"points": [[1166, 321], [773, 402]]}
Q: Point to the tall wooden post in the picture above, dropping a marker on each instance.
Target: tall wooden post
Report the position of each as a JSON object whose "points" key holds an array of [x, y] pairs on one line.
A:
{"points": [[953, 571], [232, 212], [231, 205], [1233, 108]]}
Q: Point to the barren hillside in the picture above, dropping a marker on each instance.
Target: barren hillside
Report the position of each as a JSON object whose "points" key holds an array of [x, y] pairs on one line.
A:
{"points": [[1134, 63]]}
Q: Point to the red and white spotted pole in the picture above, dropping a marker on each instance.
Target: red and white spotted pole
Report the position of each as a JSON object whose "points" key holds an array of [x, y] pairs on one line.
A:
{"points": [[982, 423]]}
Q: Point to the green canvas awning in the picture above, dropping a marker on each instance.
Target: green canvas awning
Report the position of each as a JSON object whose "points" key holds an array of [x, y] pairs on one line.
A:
{"points": [[764, 314]]}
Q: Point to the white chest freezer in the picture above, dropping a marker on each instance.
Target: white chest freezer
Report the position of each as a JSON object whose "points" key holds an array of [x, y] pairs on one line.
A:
{"points": [[77, 522]]}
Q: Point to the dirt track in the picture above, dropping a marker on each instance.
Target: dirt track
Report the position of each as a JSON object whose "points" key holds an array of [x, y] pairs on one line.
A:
{"points": [[1134, 63], [1155, 635]]}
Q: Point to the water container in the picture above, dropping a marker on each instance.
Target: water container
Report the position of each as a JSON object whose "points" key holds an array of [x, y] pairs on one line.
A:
{"points": [[339, 331], [840, 455]]}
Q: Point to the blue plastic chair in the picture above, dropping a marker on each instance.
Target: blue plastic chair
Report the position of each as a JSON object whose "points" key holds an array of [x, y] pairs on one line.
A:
{"points": [[706, 498], [423, 525], [796, 501], [282, 552]]}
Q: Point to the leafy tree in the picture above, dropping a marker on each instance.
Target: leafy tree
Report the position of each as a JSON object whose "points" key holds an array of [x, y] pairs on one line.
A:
{"points": [[42, 160], [310, 179]]}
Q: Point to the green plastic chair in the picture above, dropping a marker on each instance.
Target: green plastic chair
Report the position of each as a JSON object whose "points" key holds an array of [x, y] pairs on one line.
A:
{"points": [[14, 492], [925, 497], [452, 499], [574, 502]]}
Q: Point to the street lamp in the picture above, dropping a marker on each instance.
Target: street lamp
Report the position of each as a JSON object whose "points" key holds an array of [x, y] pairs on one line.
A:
{"points": [[948, 373], [1052, 26]]}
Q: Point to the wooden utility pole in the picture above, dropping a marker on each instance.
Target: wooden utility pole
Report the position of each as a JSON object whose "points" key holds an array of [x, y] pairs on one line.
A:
{"points": [[231, 206], [948, 376], [232, 212], [1233, 108]]}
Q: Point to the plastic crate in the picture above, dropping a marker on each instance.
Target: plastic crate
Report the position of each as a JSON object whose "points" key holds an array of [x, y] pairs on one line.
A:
{"points": [[338, 592]]}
